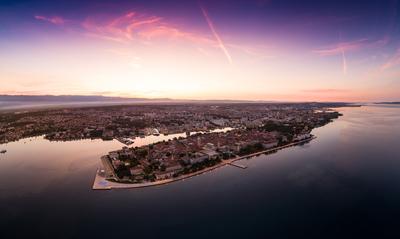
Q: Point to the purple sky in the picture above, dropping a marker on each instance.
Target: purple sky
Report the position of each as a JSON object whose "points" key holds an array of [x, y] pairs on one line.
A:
{"points": [[261, 49]]}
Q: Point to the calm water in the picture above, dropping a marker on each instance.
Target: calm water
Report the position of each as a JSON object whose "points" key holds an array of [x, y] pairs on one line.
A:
{"points": [[346, 183]]}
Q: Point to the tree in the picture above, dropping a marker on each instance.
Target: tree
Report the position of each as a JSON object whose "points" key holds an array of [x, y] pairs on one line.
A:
{"points": [[162, 167]]}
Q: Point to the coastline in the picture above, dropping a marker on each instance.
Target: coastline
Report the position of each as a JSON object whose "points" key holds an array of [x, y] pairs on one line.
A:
{"points": [[100, 183]]}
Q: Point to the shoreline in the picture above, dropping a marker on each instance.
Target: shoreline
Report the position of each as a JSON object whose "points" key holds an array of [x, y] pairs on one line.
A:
{"points": [[101, 183]]}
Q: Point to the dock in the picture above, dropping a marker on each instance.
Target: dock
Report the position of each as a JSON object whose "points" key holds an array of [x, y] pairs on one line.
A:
{"points": [[238, 165]]}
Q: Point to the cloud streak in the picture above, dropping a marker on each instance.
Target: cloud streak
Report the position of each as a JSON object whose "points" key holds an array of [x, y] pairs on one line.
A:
{"points": [[54, 20], [341, 47], [217, 37], [325, 91], [344, 63], [392, 62], [351, 46]]}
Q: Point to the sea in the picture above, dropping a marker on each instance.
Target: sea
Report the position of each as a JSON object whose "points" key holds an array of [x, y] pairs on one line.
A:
{"points": [[343, 184]]}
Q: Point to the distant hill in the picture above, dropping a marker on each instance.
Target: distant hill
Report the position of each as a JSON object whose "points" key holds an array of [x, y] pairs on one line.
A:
{"points": [[27, 102], [13, 102], [389, 103], [70, 98]]}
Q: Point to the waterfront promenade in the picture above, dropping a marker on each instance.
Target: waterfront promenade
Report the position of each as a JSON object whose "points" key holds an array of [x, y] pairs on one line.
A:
{"points": [[101, 183]]}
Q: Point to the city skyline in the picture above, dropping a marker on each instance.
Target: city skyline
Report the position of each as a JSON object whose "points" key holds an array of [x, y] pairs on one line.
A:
{"points": [[241, 50]]}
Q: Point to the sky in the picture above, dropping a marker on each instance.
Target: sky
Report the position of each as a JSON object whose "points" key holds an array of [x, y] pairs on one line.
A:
{"points": [[203, 49]]}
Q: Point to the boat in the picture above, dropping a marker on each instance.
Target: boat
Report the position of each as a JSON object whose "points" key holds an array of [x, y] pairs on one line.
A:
{"points": [[3, 151], [126, 141]]}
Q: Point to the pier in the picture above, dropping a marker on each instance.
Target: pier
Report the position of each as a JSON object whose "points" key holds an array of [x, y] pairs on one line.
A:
{"points": [[238, 165]]}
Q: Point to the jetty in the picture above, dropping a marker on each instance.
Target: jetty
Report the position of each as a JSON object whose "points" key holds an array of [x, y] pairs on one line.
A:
{"points": [[238, 165]]}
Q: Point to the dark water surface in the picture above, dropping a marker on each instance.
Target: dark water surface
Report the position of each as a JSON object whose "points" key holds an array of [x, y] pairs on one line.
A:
{"points": [[344, 184]]}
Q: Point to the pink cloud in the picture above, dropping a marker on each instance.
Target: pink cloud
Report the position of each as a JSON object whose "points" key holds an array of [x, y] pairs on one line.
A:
{"points": [[138, 27], [325, 90], [54, 20], [170, 32]]}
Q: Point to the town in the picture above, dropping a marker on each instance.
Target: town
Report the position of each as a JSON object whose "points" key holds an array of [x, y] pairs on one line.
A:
{"points": [[215, 134], [126, 122]]}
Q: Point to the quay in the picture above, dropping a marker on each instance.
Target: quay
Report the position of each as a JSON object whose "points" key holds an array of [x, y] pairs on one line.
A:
{"points": [[101, 183], [274, 149]]}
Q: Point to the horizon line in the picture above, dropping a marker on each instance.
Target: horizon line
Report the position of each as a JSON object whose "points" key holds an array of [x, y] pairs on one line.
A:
{"points": [[184, 99]]}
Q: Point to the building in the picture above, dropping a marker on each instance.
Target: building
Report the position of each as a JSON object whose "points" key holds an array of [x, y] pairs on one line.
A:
{"points": [[302, 137], [198, 158], [212, 154], [164, 175], [176, 167], [138, 170], [270, 144]]}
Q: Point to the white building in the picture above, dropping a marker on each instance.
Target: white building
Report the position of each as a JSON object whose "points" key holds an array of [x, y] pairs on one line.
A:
{"points": [[302, 137], [271, 144]]}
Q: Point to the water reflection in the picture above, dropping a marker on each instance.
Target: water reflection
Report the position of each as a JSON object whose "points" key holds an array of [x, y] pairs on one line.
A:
{"points": [[345, 183], [32, 164]]}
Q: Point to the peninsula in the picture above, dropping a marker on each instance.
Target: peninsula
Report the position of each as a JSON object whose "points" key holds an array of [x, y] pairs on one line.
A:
{"points": [[182, 157], [208, 135]]}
